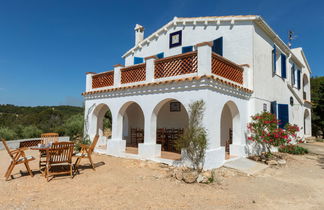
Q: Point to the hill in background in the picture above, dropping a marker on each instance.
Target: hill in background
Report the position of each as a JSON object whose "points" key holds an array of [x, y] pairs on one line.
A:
{"points": [[26, 122]]}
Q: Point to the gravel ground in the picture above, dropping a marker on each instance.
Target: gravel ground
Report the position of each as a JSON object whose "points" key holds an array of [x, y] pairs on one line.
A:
{"points": [[132, 184]]}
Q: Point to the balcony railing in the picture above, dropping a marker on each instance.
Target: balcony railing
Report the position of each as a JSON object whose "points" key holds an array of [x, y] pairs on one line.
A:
{"points": [[176, 65], [134, 73], [103, 79], [224, 68], [190, 64]]}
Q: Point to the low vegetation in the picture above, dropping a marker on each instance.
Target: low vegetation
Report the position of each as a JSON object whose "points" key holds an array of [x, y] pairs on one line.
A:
{"points": [[293, 149]]}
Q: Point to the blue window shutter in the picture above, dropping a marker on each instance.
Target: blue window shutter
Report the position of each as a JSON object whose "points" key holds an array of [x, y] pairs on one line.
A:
{"points": [[298, 79], [283, 115], [187, 49], [160, 55], [138, 60], [218, 46], [273, 107], [283, 66], [274, 59]]}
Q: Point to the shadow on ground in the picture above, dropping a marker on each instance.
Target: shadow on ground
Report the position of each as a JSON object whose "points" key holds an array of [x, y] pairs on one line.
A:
{"points": [[321, 161]]}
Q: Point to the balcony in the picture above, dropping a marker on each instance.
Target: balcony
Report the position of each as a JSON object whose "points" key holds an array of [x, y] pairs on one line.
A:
{"points": [[202, 62]]}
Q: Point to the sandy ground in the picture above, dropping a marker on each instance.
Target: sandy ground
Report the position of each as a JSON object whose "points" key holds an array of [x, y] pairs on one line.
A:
{"points": [[132, 184]]}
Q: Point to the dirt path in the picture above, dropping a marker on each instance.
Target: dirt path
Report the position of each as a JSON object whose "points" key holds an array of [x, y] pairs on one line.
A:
{"points": [[315, 147], [132, 184]]}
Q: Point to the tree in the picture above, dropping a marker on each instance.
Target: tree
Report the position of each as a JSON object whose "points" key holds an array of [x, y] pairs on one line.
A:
{"points": [[194, 140], [73, 127], [31, 131], [317, 93], [7, 133]]}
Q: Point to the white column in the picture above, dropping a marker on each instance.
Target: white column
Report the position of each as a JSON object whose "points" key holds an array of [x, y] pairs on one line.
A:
{"points": [[247, 76], [149, 149], [116, 146], [150, 68], [204, 58], [117, 75], [89, 80]]}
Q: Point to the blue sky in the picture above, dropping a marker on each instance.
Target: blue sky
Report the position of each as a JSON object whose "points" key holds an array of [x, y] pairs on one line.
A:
{"points": [[46, 46]]}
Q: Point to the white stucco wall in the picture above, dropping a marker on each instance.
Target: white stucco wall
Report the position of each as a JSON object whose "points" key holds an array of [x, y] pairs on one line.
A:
{"points": [[237, 41], [186, 93], [269, 87]]}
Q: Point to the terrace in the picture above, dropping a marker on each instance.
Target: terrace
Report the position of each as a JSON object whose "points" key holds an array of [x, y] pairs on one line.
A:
{"points": [[202, 62]]}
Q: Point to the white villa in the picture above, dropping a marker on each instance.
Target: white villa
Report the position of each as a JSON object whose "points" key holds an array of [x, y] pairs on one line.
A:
{"points": [[237, 64]]}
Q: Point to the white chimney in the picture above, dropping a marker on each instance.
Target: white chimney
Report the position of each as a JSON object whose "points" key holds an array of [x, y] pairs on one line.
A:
{"points": [[139, 33]]}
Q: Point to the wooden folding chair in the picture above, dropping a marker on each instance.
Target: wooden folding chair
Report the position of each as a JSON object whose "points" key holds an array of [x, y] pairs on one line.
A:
{"points": [[59, 159], [18, 156], [85, 152], [46, 138]]}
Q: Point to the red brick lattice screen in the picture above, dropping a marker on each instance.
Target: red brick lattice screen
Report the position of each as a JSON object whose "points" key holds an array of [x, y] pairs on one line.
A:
{"points": [[226, 69], [103, 79], [134, 73], [176, 65]]}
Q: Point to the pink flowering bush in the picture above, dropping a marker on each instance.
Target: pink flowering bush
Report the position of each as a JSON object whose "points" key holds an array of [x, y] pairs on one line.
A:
{"points": [[264, 130]]}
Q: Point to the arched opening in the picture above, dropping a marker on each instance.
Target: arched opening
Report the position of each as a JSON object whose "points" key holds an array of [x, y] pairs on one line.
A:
{"points": [[305, 87], [307, 123], [230, 127], [102, 124], [171, 119], [132, 126]]}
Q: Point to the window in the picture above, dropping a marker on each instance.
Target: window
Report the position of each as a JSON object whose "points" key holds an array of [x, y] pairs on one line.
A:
{"points": [[187, 49], [283, 115], [273, 107], [298, 79], [274, 60], [138, 60], [218, 46], [293, 81], [160, 55], [175, 39], [283, 66]]}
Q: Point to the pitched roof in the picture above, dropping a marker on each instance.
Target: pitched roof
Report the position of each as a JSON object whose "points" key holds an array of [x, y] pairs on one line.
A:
{"points": [[208, 19]]}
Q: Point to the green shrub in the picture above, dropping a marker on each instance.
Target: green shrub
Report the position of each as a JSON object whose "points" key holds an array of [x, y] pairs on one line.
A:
{"points": [[293, 149], [194, 140], [31, 131], [7, 133], [73, 127]]}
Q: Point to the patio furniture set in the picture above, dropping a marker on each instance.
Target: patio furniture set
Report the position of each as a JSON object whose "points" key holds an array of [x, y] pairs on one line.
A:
{"points": [[55, 157]]}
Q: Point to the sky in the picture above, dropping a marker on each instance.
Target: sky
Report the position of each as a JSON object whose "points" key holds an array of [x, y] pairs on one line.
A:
{"points": [[46, 46]]}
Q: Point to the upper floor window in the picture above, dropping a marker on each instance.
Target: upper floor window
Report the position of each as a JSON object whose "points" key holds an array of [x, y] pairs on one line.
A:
{"points": [[293, 77], [175, 39], [160, 55], [298, 79], [218, 46], [187, 49], [274, 60], [138, 60], [283, 66]]}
